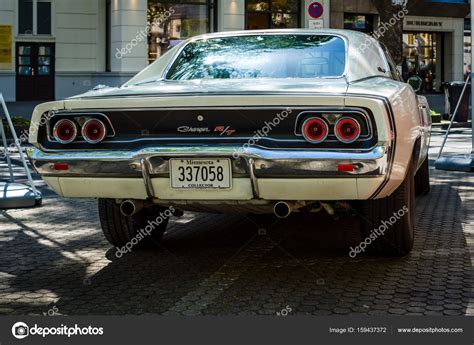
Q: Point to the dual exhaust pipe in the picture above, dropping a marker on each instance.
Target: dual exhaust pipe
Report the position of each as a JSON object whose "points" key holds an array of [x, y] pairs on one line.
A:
{"points": [[282, 209], [128, 208]]}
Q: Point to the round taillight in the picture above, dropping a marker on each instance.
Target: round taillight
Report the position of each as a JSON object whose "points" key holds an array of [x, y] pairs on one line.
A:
{"points": [[315, 130], [65, 131], [93, 131], [347, 130]]}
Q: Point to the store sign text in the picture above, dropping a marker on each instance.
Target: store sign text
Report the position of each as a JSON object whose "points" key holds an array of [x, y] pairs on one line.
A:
{"points": [[424, 23]]}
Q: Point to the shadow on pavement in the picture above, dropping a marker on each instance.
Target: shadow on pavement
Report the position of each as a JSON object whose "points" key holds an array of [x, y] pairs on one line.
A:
{"points": [[228, 265]]}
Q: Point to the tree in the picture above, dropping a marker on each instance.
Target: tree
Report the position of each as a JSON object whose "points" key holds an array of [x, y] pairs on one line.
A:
{"points": [[390, 31]]}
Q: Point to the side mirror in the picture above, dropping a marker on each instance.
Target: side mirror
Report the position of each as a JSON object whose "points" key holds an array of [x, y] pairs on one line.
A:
{"points": [[415, 82]]}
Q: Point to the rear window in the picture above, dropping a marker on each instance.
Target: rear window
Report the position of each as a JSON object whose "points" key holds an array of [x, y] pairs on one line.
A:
{"points": [[261, 56]]}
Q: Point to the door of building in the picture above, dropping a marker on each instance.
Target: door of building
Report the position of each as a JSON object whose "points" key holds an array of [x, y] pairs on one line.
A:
{"points": [[34, 71]]}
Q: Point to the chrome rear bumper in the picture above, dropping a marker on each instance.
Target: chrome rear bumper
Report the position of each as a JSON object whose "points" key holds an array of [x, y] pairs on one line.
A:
{"points": [[260, 169], [261, 162], [254, 164]]}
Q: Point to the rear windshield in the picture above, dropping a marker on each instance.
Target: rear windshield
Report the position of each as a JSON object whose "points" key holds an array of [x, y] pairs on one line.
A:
{"points": [[261, 56]]}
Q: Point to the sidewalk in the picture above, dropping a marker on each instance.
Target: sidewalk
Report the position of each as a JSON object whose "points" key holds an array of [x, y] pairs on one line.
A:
{"points": [[56, 257]]}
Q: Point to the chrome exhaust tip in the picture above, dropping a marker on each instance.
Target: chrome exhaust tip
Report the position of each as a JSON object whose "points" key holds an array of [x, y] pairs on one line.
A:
{"points": [[129, 208], [282, 209]]}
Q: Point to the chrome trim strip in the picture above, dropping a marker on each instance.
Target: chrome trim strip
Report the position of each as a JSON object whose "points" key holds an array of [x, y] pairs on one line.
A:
{"points": [[216, 93], [220, 151], [253, 162], [253, 179], [146, 177]]}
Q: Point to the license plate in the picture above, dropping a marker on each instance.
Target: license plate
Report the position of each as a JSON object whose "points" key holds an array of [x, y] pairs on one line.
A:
{"points": [[200, 173]]}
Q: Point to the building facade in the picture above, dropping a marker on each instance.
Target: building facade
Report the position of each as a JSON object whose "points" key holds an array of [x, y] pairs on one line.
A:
{"points": [[52, 49], [433, 36]]}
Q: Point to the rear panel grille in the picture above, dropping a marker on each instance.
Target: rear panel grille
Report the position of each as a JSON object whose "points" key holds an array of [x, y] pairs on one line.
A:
{"points": [[275, 127]]}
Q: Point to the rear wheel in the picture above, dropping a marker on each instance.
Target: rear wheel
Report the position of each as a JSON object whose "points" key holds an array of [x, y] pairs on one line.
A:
{"points": [[422, 179], [387, 224], [141, 229]]}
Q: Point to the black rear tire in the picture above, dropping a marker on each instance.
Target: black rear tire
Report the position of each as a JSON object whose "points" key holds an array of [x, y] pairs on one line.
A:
{"points": [[422, 179], [395, 214], [120, 230]]}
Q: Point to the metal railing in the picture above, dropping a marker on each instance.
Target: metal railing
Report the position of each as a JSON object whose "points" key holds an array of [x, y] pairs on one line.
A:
{"points": [[17, 144]]}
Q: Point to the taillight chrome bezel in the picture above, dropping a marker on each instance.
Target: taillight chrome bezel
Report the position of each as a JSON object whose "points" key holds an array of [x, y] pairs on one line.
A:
{"points": [[56, 130], [368, 135], [342, 121], [310, 121], [79, 118], [88, 123]]}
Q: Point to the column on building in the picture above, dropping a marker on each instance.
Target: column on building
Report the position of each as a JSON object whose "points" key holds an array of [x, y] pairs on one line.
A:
{"points": [[128, 36], [78, 34], [231, 15]]}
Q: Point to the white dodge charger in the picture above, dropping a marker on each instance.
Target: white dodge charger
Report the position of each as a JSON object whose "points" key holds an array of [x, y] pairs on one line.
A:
{"points": [[259, 122]]}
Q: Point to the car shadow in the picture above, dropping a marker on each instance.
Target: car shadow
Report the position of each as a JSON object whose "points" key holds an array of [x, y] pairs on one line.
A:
{"points": [[237, 265]]}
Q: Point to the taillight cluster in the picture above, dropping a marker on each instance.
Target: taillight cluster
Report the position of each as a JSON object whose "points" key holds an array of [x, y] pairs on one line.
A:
{"points": [[346, 129], [93, 131], [315, 130], [65, 131]]}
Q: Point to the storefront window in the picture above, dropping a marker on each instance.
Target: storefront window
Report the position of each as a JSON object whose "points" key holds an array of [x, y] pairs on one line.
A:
{"points": [[359, 22], [467, 47], [419, 58], [170, 22], [272, 14], [467, 55]]}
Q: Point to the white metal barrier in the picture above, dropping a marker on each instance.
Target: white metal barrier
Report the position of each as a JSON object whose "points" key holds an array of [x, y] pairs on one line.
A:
{"points": [[15, 195]]}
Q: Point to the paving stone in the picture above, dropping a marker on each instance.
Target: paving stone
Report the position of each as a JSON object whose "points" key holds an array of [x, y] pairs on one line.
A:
{"points": [[212, 264]]}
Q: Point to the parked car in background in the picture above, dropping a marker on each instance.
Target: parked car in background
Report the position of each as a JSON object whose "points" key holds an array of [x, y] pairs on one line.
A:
{"points": [[274, 121]]}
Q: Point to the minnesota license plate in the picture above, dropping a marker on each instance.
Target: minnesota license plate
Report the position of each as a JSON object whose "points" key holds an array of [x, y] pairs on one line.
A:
{"points": [[200, 173]]}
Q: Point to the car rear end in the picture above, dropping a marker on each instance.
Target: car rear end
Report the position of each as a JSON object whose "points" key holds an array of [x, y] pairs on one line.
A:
{"points": [[272, 147], [254, 122]]}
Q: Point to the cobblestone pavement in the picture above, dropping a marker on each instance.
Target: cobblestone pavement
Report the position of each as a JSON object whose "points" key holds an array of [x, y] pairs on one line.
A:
{"points": [[55, 260]]}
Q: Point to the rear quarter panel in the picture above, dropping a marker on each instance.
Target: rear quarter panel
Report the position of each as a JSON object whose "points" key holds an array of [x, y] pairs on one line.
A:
{"points": [[402, 106]]}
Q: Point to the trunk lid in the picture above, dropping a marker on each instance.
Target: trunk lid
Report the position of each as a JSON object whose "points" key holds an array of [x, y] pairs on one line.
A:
{"points": [[223, 86]]}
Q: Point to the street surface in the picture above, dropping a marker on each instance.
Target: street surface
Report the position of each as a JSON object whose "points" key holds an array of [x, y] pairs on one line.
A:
{"points": [[55, 260]]}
